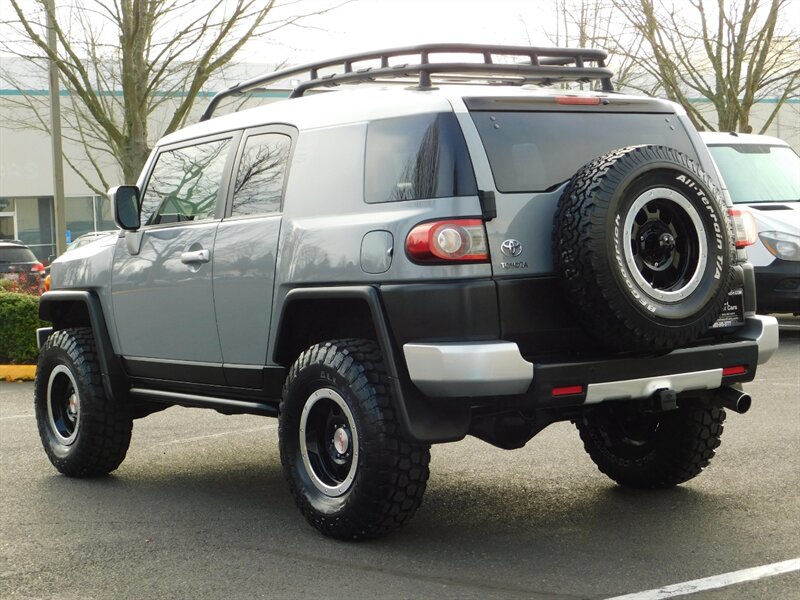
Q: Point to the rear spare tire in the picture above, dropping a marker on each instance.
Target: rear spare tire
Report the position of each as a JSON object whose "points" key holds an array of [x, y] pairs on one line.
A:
{"points": [[643, 244]]}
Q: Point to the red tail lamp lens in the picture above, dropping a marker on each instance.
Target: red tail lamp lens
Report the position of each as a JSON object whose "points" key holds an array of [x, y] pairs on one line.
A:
{"points": [[454, 240]]}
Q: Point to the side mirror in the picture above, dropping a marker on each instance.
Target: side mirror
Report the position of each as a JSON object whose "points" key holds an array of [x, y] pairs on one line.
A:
{"points": [[125, 200]]}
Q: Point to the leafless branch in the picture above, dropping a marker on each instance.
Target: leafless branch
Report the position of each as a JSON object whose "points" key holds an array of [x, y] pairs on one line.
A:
{"points": [[122, 62]]}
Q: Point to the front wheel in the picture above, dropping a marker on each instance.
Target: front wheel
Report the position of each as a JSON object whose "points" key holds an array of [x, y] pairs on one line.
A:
{"points": [[651, 450], [351, 473], [84, 433]]}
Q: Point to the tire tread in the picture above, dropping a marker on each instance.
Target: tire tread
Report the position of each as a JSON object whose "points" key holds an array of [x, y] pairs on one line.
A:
{"points": [[397, 469], [105, 427], [693, 435], [580, 256]]}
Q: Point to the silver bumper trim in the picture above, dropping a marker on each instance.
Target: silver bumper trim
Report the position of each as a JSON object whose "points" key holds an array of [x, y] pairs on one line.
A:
{"points": [[647, 386], [764, 331], [472, 369], [498, 369]]}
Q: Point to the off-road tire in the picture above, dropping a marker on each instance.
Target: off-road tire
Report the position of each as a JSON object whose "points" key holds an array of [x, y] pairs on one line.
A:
{"points": [[681, 444], [101, 430], [387, 475], [619, 216]]}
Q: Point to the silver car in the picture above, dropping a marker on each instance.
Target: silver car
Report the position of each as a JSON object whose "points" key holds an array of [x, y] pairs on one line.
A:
{"points": [[762, 173]]}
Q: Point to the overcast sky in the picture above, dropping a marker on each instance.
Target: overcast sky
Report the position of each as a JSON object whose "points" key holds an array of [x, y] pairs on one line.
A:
{"points": [[375, 24]]}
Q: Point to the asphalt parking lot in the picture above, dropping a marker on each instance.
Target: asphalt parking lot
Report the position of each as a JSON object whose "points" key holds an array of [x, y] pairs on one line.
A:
{"points": [[199, 509]]}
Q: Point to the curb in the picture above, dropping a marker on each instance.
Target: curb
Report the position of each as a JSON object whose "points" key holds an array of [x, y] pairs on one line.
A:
{"points": [[17, 372]]}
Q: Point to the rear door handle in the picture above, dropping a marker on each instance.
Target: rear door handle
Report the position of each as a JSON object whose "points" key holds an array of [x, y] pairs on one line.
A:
{"points": [[196, 256]]}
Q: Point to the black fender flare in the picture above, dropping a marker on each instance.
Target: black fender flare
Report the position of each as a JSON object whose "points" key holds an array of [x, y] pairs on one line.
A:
{"points": [[82, 308], [422, 420]]}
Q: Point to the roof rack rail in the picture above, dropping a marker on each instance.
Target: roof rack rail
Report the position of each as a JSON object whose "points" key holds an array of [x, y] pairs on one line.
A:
{"points": [[541, 65]]}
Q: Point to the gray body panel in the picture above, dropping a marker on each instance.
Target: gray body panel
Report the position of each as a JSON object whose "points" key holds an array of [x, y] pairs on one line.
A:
{"points": [[244, 275], [325, 221], [164, 308], [89, 268]]}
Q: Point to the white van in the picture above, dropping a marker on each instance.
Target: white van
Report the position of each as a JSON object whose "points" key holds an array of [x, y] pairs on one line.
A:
{"points": [[763, 173]]}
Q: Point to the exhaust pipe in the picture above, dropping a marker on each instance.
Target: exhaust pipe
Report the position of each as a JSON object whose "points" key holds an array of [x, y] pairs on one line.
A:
{"points": [[736, 400]]}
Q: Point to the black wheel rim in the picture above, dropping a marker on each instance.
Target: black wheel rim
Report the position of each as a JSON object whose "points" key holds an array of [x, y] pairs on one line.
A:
{"points": [[63, 405], [329, 442], [665, 246]]}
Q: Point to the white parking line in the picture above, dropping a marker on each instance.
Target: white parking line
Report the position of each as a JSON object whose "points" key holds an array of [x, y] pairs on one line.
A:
{"points": [[714, 582], [215, 435], [16, 417]]}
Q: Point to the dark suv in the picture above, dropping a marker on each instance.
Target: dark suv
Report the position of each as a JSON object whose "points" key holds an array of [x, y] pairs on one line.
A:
{"points": [[19, 265], [382, 267]]}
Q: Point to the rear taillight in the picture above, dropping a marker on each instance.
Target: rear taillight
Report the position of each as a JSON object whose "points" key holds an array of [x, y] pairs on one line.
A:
{"points": [[744, 226], [37, 268], [454, 240]]}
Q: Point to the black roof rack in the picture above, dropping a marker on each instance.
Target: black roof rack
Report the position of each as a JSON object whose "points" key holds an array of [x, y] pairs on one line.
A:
{"points": [[539, 65]]}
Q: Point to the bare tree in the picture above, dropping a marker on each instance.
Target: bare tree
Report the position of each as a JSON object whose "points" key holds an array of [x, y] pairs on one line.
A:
{"points": [[123, 60], [593, 24], [730, 52]]}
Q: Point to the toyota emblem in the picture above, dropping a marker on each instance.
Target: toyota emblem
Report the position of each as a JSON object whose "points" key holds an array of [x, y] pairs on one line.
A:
{"points": [[511, 248]]}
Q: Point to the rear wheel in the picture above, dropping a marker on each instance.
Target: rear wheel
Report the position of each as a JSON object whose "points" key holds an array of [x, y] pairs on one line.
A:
{"points": [[84, 433], [351, 473], [651, 450]]}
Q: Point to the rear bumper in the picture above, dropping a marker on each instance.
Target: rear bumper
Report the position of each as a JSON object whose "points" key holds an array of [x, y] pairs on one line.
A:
{"points": [[490, 369]]}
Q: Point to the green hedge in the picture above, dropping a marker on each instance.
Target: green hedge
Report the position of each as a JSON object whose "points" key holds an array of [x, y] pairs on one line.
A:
{"points": [[19, 319]]}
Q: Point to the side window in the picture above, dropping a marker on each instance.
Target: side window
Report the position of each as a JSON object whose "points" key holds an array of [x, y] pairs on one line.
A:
{"points": [[184, 183], [262, 170], [419, 156]]}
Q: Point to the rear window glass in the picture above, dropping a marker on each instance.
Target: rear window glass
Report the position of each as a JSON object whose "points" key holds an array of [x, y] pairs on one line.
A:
{"points": [[419, 156], [538, 151], [759, 172], [16, 255]]}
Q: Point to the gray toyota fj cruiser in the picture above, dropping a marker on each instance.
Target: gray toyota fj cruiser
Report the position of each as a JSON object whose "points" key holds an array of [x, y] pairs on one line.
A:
{"points": [[475, 252]]}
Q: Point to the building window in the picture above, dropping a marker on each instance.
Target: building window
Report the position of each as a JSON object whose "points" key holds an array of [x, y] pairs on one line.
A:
{"points": [[32, 220], [8, 229], [79, 216], [103, 214], [35, 225]]}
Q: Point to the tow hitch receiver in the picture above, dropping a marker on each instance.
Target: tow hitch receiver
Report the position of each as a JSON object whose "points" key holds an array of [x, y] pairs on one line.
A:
{"points": [[665, 400]]}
